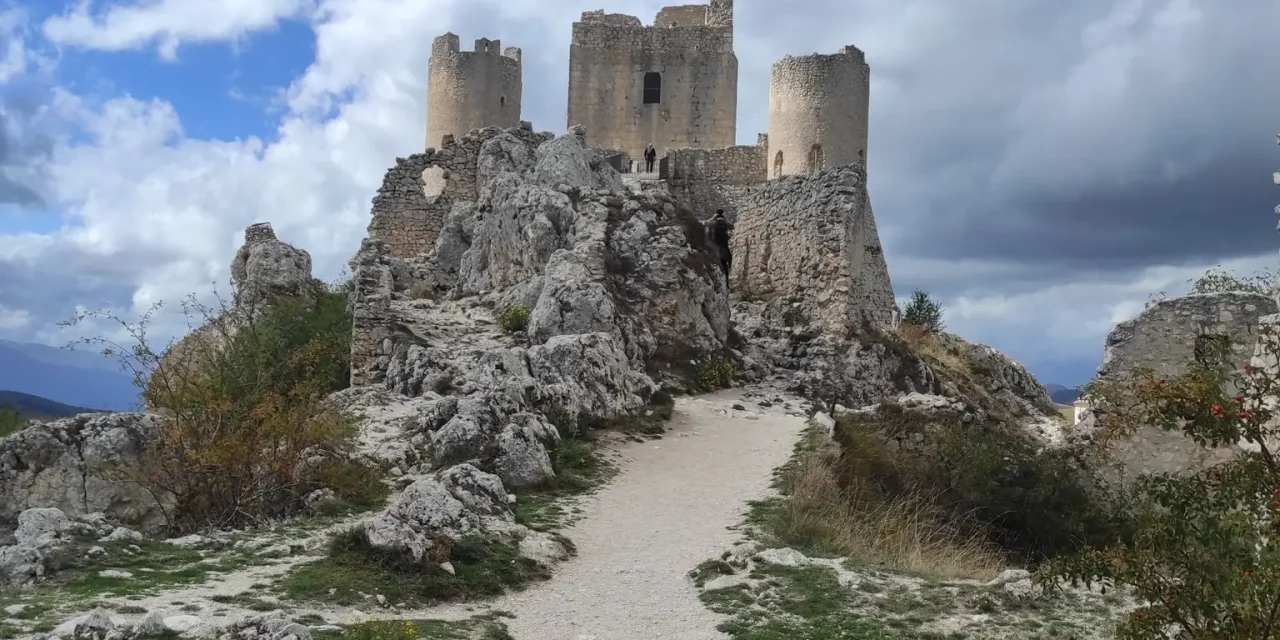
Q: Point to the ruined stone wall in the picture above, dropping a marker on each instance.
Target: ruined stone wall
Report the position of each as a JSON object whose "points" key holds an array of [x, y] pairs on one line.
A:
{"points": [[471, 89], [818, 112], [705, 180], [1167, 338], [813, 239], [418, 191], [610, 55]]}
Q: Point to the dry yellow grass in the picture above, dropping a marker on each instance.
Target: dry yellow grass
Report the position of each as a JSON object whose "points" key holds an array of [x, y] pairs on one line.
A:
{"points": [[1068, 412], [930, 346], [905, 533]]}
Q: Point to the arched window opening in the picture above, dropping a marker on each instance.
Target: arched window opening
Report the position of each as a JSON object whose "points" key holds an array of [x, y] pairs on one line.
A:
{"points": [[502, 101], [815, 158], [777, 165], [652, 88]]}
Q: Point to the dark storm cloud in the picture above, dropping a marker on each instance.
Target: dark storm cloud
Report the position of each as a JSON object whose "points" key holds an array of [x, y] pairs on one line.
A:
{"points": [[1062, 139]]}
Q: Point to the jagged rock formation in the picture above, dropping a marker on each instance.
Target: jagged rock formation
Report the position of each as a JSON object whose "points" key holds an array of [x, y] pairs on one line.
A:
{"points": [[264, 267], [71, 465], [619, 287]]}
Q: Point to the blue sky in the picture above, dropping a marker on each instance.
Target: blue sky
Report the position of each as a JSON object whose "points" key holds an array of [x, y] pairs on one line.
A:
{"points": [[1042, 167]]}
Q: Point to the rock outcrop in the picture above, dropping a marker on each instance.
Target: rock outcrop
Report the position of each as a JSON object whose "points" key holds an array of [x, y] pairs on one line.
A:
{"points": [[619, 289], [264, 267], [458, 502], [80, 465]]}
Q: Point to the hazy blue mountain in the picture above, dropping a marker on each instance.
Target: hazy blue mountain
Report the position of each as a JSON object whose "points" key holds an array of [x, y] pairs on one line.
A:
{"points": [[30, 406], [80, 377], [1062, 394]]}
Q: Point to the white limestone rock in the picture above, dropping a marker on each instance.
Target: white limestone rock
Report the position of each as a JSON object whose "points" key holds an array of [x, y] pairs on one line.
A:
{"points": [[60, 465]]}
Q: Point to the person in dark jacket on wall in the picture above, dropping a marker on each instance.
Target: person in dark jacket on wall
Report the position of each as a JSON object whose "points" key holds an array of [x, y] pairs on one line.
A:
{"points": [[650, 155], [720, 230]]}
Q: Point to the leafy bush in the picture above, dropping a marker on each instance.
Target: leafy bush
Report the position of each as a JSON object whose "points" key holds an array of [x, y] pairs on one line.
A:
{"points": [[923, 311], [986, 479], [10, 419], [716, 374], [1219, 280], [1203, 552], [249, 432], [514, 319]]}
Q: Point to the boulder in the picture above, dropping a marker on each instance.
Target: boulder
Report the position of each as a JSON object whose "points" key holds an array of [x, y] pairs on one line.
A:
{"points": [[264, 266], [82, 465]]}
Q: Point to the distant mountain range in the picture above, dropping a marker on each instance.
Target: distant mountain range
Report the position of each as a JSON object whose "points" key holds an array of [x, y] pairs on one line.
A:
{"points": [[78, 378], [1062, 394], [37, 408]]}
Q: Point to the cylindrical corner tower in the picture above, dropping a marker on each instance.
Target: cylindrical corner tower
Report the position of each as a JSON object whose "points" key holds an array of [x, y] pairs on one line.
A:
{"points": [[818, 108], [471, 89]]}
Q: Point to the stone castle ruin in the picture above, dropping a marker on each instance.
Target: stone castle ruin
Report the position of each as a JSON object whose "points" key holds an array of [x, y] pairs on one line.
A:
{"points": [[674, 84]]}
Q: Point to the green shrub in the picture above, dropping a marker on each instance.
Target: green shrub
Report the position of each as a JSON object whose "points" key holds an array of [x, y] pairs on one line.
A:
{"points": [[514, 319], [716, 374], [249, 432], [923, 311], [987, 479], [1203, 553]]}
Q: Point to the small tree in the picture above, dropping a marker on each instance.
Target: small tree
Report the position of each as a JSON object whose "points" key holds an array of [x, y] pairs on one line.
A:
{"points": [[923, 311], [249, 431], [1202, 554]]}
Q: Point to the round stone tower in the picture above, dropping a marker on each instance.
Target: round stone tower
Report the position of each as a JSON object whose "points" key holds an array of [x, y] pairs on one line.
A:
{"points": [[471, 89], [818, 112]]}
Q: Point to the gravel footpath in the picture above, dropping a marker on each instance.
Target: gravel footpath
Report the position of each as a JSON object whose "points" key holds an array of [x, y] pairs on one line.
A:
{"points": [[670, 508]]}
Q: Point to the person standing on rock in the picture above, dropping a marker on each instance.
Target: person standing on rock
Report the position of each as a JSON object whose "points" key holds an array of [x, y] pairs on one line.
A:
{"points": [[650, 155], [720, 230]]}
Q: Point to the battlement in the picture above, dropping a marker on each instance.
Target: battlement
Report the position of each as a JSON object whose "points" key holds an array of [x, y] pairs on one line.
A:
{"points": [[718, 13], [690, 27], [449, 45]]}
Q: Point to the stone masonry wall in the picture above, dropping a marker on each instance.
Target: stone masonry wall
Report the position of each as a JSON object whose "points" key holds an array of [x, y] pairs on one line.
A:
{"points": [[1165, 335], [471, 89], [1166, 338], [709, 179], [814, 238], [818, 112], [418, 191], [609, 56]]}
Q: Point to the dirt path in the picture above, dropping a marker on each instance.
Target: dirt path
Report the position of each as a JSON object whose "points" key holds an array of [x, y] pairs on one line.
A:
{"points": [[669, 509]]}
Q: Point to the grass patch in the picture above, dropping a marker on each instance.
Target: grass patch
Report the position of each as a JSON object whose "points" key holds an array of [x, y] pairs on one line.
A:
{"points": [[355, 569], [247, 601], [75, 582], [514, 319], [579, 469], [795, 602], [480, 628]]}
